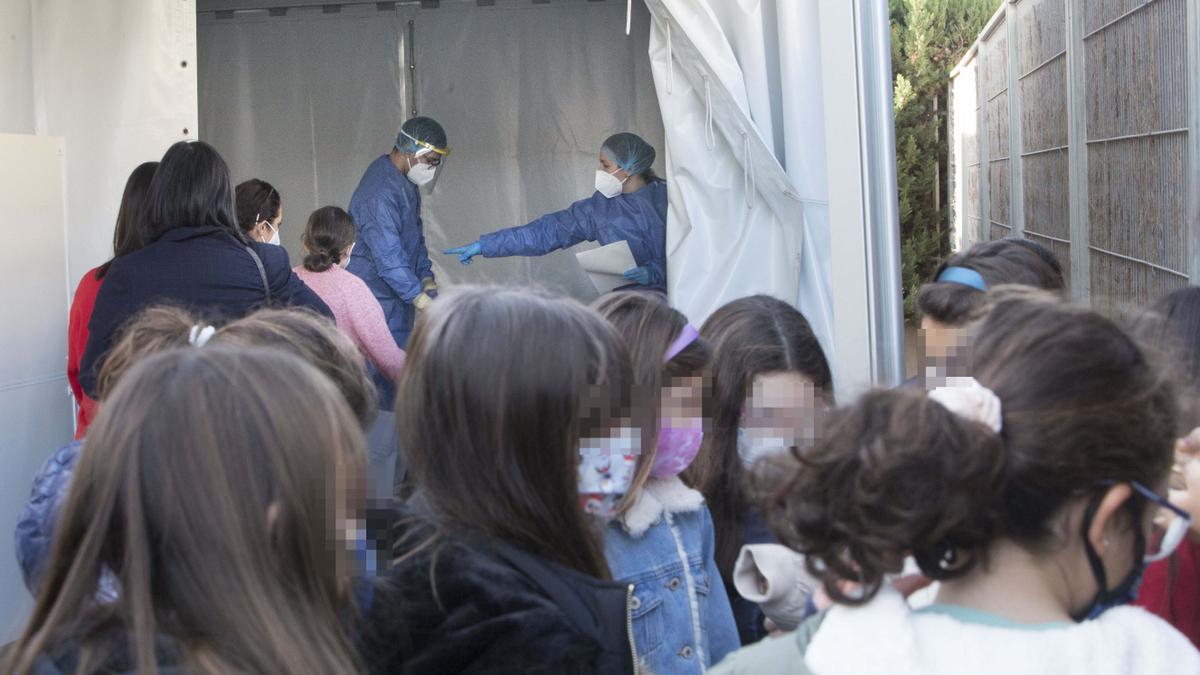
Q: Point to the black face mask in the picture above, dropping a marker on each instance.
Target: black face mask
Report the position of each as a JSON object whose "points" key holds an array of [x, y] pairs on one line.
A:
{"points": [[1125, 592]]}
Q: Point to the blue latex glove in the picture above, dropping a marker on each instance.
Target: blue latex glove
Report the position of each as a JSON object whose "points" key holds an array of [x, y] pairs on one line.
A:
{"points": [[465, 253], [640, 275]]}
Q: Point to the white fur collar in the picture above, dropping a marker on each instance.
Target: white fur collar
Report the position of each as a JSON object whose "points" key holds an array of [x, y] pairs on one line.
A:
{"points": [[659, 495]]}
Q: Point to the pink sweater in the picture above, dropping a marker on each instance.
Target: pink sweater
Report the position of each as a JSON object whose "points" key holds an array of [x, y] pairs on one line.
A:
{"points": [[358, 314]]}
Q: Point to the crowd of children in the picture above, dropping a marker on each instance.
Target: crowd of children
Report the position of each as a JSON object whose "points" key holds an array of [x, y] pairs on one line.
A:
{"points": [[603, 489]]}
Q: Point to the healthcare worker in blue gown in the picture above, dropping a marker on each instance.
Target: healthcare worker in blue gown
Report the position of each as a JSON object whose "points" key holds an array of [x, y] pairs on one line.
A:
{"points": [[389, 252], [630, 204]]}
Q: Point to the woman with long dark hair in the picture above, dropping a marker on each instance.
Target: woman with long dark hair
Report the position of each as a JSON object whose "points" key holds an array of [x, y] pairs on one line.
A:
{"points": [[259, 210], [195, 255], [127, 238]]}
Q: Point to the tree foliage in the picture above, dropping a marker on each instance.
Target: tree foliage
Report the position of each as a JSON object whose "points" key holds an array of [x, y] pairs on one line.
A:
{"points": [[928, 39]]}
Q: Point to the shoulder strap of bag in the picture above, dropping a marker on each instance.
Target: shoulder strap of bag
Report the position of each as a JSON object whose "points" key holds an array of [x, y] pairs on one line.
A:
{"points": [[262, 272]]}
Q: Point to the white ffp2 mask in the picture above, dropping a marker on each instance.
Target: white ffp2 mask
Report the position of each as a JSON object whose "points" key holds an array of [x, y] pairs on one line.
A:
{"points": [[608, 184], [421, 174]]}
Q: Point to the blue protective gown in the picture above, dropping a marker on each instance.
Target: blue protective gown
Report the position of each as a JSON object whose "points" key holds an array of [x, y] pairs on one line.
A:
{"points": [[638, 217], [389, 254]]}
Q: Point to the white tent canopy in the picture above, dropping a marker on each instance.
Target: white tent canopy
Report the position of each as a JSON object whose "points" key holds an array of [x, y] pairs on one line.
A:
{"points": [[777, 145]]}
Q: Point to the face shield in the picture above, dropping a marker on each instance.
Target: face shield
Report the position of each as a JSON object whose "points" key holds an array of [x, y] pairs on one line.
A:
{"points": [[432, 157]]}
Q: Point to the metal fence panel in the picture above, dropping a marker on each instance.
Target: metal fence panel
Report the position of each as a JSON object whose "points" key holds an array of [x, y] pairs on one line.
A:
{"points": [[1131, 169], [1137, 117], [1042, 45]]}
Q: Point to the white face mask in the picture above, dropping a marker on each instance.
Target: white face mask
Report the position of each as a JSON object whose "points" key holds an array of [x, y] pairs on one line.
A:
{"points": [[346, 258], [421, 173], [274, 234], [608, 184], [754, 444], [606, 470]]}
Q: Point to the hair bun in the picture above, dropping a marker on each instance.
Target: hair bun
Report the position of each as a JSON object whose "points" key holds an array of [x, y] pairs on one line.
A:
{"points": [[318, 261]]}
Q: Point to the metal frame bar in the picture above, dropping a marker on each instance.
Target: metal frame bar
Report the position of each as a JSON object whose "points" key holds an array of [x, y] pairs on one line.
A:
{"points": [[1031, 233], [1044, 151], [1045, 63], [878, 137], [1193, 168], [985, 163], [953, 166], [1138, 261], [1016, 166], [1119, 19], [1134, 137], [1077, 159]]}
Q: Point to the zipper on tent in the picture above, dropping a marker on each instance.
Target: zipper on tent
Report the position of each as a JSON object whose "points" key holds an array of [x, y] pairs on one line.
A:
{"points": [[710, 137], [750, 184], [670, 62]]}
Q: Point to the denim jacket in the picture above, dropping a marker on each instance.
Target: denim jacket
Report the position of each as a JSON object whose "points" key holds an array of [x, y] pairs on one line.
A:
{"points": [[663, 545]]}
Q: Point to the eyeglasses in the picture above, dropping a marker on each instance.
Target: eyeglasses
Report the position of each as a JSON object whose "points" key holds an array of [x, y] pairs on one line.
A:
{"points": [[1165, 540]]}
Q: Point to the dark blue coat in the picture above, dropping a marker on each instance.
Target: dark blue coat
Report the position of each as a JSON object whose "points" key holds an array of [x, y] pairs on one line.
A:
{"points": [[389, 251], [638, 217], [203, 269]]}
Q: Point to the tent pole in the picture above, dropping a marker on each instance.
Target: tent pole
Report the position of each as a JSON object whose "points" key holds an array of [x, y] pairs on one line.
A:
{"points": [[863, 202]]}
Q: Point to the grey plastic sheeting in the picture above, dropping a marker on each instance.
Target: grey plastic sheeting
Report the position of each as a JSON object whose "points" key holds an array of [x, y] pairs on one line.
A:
{"points": [[527, 93]]}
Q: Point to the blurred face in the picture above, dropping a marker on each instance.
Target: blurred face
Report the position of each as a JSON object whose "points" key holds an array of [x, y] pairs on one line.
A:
{"points": [[682, 400], [943, 350], [785, 406]]}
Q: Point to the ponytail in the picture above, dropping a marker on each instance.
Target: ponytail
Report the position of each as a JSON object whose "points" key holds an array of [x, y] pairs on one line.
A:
{"points": [[898, 474]]}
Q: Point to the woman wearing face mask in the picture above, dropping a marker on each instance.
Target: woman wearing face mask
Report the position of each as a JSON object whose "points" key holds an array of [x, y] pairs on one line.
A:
{"points": [[259, 210], [1030, 494], [771, 387], [662, 540], [630, 204], [390, 255]]}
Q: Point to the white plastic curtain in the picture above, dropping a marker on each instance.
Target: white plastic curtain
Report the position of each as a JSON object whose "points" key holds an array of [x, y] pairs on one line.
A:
{"points": [[526, 92], [740, 83]]}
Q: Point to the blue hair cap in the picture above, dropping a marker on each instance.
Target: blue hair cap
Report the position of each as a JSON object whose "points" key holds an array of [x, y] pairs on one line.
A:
{"points": [[423, 129], [630, 152], [963, 277]]}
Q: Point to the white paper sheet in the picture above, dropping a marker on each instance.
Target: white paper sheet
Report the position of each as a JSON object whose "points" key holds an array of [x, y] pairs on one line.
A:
{"points": [[606, 265]]}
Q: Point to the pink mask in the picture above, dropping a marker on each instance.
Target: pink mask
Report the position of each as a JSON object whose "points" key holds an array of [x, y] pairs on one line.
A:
{"points": [[678, 445]]}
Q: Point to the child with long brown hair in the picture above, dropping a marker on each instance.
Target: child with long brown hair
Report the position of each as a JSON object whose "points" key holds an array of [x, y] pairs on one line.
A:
{"points": [[771, 386], [218, 534], [499, 567], [662, 540]]}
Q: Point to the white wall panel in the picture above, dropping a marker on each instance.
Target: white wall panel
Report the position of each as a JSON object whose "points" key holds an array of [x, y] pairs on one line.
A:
{"points": [[35, 406]]}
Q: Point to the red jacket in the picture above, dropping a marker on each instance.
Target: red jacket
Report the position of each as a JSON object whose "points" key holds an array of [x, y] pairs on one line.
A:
{"points": [[1171, 590], [77, 337]]}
